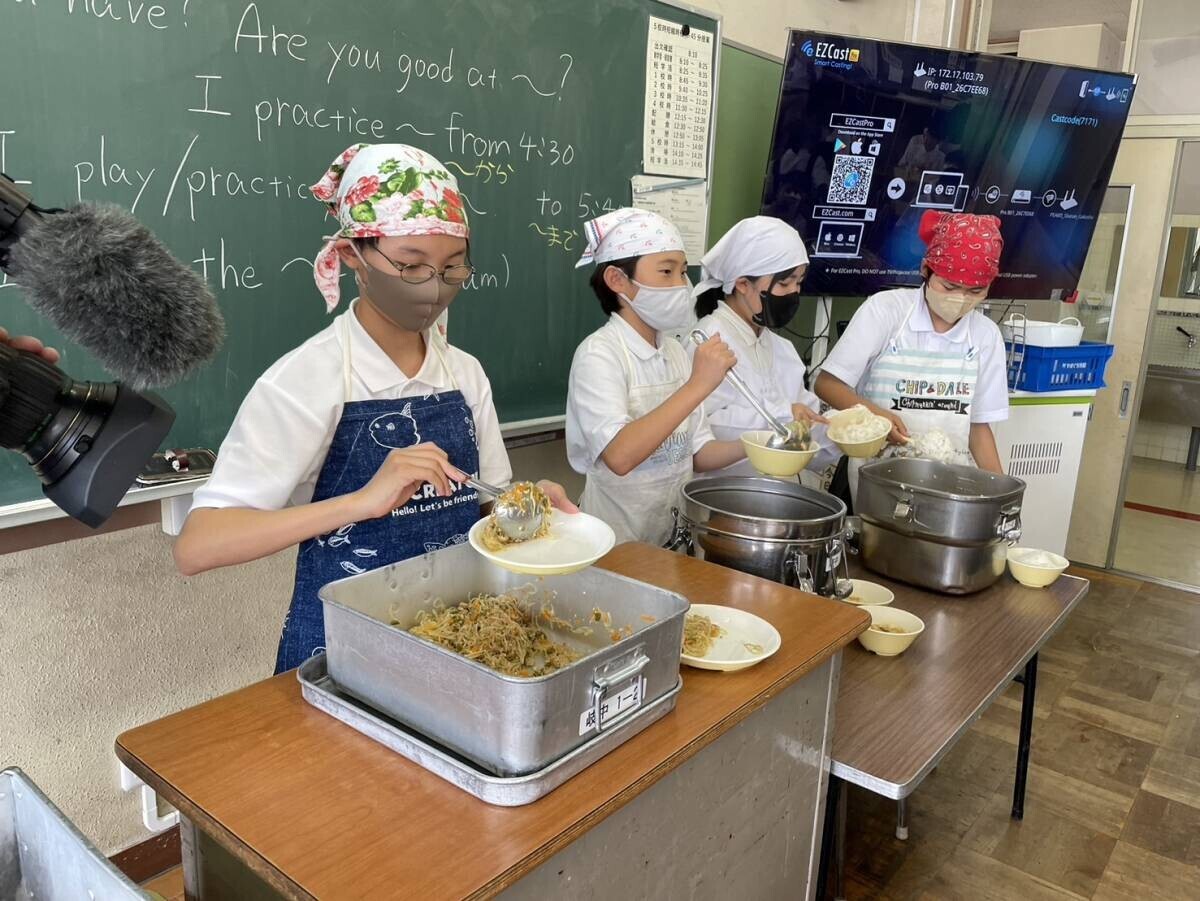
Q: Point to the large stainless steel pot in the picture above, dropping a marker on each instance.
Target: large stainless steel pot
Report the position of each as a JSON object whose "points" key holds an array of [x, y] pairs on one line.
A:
{"points": [[937, 525], [943, 501], [948, 568], [778, 530]]}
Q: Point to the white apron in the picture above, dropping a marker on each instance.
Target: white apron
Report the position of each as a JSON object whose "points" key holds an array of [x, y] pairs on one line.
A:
{"points": [[929, 389], [638, 505], [760, 359]]}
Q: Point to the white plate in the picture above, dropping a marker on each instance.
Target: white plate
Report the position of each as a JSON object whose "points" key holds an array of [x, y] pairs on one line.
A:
{"points": [[576, 541], [729, 652], [871, 593]]}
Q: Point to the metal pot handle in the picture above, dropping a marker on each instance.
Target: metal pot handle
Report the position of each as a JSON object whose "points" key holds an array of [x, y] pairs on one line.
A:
{"points": [[905, 511], [1009, 527], [605, 678], [681, 535], [797, 563], [853, 535]]}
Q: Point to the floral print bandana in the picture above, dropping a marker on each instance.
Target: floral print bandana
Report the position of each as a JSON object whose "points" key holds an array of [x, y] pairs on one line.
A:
{"points": [[384, 190], [628, 232]]}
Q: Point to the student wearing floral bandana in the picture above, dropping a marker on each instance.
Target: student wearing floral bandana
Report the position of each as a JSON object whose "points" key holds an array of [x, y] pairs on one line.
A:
{"points": [[925, 357], [357, 444]]}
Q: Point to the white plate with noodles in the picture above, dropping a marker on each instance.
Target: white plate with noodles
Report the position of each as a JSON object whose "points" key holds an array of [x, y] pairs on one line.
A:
{"points": [[573, 542], [725, 638]]}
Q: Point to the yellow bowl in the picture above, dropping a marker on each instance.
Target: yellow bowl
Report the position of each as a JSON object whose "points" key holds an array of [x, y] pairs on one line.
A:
{"points": [[869, 594], [889, 644], [1034, 575], [771, 461], [867, 448]]}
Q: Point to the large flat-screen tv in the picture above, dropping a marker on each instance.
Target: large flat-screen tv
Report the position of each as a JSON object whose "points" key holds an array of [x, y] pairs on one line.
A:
{"points": [[871, 134]]}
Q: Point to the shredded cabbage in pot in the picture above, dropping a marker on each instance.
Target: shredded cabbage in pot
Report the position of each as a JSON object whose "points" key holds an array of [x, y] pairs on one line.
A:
{"points": [[933, 445]]}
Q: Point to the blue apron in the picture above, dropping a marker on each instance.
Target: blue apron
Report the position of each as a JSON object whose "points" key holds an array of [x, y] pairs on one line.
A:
{"points": [[366, 433]]}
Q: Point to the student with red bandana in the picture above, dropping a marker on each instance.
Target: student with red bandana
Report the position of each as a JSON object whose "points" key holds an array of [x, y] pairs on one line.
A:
{"points": [[924, 357]]}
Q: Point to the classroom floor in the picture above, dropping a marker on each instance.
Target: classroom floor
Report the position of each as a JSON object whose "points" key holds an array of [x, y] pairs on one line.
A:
{"points": [[1112, 811], [1160, 525], [1113, 803]]}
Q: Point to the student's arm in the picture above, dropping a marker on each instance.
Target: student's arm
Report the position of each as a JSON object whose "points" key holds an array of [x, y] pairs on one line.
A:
{"points": [[637, 440], [718, 455], [841, 396], [983, 448], [224, 536]]}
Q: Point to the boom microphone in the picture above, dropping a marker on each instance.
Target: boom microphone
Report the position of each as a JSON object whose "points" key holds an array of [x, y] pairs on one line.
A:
{"points": [[109, 285]]}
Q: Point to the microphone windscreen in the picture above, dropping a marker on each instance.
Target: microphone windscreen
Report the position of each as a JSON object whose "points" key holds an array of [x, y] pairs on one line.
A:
{"points": [[110, 286]]}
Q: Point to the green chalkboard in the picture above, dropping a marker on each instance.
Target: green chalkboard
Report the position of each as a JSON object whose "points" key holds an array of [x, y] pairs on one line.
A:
{"points": [[208, 118], [746, 102]]}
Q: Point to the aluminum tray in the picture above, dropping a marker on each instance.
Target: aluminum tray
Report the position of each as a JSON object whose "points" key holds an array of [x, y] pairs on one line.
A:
{"points": [[44, 857], [324, 694], [507, 725]]}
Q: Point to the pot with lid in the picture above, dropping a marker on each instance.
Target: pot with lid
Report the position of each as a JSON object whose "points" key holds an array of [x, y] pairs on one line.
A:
{"points": [[937, 525], [778, 530]]}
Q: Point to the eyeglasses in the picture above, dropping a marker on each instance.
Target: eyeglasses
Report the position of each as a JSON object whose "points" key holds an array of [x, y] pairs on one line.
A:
{"points": [[419, 273]]}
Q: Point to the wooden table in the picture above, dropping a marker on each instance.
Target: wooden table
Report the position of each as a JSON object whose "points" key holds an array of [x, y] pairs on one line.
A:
{"points": [[897, 717], [318, 810]]}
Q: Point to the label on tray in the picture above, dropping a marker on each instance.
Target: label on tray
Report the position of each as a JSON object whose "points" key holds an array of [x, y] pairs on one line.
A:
{"points": [[627, 699]]}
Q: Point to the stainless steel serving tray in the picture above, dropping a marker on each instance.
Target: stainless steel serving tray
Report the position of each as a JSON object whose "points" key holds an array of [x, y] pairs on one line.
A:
{"points": [[324, 694], [507, 725]]}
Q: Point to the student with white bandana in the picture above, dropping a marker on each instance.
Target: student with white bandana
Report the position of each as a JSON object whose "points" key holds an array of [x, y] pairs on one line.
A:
{"points": [[751, 285], [635, 415], [924, 357]]}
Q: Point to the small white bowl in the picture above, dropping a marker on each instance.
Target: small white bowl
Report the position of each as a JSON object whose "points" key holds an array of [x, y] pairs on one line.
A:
{"points": [[773, 461], [889, 644], [1035, 575], [869, 593]]}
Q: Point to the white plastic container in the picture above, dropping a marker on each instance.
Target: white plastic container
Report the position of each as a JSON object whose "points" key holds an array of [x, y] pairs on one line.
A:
{"points": [[1064, 333]]}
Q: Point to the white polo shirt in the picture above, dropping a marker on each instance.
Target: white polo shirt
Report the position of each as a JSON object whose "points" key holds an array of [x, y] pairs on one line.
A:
{"points": [[903, 311], [771, 366], [275, 448], [598, 390]]}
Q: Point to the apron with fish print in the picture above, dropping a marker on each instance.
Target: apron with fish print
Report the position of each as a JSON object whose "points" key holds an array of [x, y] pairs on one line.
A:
{"points": [[929, 389], [366, 433]]}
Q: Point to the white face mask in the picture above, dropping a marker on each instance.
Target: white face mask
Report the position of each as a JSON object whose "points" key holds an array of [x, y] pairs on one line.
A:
{"points": [[663, 309], [950, 307]]}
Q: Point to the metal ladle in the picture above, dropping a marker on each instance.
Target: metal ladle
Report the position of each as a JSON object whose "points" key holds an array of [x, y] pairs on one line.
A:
{"points": [[518, 520], [793, 436]]}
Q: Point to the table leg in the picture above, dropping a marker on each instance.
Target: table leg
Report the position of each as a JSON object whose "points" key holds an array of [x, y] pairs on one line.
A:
{"points": [[1027, 702], [839, 846], [833, 840], [902, 819], [1193, 449], [189, 847]]}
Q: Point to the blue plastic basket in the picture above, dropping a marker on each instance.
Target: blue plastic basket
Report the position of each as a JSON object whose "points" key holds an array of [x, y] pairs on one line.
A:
{"points": [[1058, 368]]}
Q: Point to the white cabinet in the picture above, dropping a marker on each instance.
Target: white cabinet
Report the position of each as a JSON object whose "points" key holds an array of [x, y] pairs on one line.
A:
{"points": [[1041, 443]]}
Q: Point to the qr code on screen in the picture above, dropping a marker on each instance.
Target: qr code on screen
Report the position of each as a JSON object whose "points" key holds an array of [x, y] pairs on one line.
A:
{"points": [[851, 179]]}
